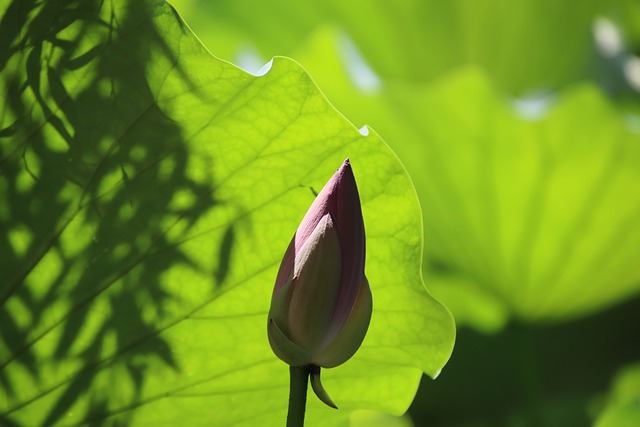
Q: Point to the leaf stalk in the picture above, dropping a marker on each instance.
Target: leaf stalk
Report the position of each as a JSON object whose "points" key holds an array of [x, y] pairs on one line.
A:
{"points": [[298, 383]]}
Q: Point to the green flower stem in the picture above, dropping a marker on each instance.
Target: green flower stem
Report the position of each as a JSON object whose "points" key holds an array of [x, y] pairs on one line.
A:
{"points": [[297, 395]]}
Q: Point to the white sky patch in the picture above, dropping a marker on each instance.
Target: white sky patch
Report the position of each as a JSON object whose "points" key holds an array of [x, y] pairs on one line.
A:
{"points": [[265, 68], [533, 107], [361, 74], [632, 72], [248, 58], [607, 37], [364, 130]]}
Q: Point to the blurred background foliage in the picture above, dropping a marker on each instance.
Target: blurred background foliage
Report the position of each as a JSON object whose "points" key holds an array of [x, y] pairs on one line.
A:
{"points": [[519, 124], [145, 188]]}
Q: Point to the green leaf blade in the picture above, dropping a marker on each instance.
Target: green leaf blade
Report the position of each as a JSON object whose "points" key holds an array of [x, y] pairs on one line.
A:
{"points": [[165, 186]]}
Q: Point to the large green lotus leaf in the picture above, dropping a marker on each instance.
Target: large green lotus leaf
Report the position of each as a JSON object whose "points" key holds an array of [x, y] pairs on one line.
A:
{"points": [[148, 192], [622, 406], [540, 208], [524, 45]]}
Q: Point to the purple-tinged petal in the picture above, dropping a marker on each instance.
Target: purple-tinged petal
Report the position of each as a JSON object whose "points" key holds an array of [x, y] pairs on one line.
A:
{"points": [[350, 336], [321, 303], [339, 197], [284, 348], [348, 219], [285, 273], [316, 285], [279, 310]]}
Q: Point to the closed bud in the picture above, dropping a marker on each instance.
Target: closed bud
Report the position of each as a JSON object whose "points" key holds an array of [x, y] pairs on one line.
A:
{"points": [[321, 304]]}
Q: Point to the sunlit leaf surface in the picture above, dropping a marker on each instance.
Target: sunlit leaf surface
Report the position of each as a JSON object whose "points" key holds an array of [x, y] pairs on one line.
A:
{"points": [[518, 122], [531, 206], [147, 194]]}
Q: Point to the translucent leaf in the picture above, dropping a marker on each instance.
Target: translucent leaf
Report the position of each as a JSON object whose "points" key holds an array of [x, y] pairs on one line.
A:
{"points": [[531, 206], [147, 194]]}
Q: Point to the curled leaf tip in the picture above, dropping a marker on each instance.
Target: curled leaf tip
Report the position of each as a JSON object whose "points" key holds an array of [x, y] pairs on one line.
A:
{"points": [[317, 387]]}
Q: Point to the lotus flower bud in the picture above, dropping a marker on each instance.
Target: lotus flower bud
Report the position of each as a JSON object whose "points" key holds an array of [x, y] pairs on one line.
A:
{"points": [[321, 304]]}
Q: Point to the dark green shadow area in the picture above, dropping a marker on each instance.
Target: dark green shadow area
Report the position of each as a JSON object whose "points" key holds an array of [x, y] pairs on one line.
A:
{"points": [[89, 169], [531, 375]]}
